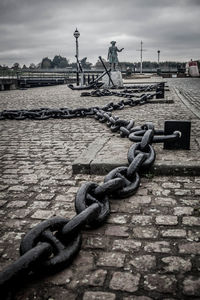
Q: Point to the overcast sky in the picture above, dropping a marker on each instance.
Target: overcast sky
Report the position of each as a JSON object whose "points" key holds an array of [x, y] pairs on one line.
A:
{"points": [[33, 29]]}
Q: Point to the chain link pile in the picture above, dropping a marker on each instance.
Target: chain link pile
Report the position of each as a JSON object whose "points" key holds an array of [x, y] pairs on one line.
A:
{"points": [[51, 245]]}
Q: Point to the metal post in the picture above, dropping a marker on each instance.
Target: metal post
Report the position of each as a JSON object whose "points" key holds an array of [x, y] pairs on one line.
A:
{"points": [[160, 90], [141, 51], [158, 69], [77, 69], [77, 47], [141, 58], [76, 35], [158, 58]]}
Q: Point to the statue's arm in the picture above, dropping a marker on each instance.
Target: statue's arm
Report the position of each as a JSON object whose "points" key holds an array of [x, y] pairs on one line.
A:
{"points": [[120, 50]]}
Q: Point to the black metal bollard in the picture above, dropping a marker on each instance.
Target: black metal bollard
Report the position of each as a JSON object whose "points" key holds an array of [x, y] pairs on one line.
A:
{"points": [[92, 77], [77, 78], [160, 90], [184, 128]]}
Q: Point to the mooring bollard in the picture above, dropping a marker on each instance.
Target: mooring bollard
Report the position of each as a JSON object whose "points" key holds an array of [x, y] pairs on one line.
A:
{"points": [[183, 128], [160, 91]]}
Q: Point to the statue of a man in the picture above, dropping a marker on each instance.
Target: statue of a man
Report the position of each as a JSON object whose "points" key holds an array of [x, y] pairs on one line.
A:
{"points": [[112, 55]]}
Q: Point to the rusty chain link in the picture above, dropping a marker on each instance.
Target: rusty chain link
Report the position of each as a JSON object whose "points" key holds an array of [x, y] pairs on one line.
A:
{"points": [[52, 244]]}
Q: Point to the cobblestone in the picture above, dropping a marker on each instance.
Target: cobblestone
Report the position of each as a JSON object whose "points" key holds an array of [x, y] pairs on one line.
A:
{"points": [[159, 247], [125, 281], [189, 248], [143, 263], [142, 220], [42, 214], [178, 264], [146, 233], [191, 286], [126, 245], [160, 283], [178, 233], [191, 221], [95, 242], [178, 211], [137, 298], [98, 296], [111, 259], [16, 204], [118, 219], [149, 247], [166, 220], [193, 235], [165, 201], [97, 278], [117, 231]]}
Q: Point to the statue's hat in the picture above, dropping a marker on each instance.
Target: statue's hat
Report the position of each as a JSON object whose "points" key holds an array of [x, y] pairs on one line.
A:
{"points": [[113, 42]]}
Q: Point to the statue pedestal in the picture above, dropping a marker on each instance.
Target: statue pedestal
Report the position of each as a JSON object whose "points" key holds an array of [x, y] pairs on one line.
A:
{"points": [[116, 77]]}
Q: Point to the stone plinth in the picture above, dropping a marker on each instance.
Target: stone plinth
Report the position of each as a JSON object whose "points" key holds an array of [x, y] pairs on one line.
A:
{"points": [[116, 77]]}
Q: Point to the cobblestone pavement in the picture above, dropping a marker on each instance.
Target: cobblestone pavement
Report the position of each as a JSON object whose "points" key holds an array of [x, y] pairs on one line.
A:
{"points": [[189, 88], [148, 248]]}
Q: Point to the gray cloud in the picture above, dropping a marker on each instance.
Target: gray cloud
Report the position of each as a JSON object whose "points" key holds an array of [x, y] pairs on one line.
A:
{"points": [[31, 30]]}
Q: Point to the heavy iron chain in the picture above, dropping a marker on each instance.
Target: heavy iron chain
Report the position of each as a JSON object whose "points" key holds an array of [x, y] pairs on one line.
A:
{"points": [[65, 113], [51, 245], [106, 92], [127, 92]]}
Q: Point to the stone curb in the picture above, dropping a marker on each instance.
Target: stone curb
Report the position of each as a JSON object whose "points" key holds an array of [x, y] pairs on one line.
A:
{"points": [[83, 164], [159, 168], [93, 161]]}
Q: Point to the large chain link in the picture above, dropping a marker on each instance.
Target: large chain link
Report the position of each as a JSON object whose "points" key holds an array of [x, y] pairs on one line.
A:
{"points": [[52, 244]]}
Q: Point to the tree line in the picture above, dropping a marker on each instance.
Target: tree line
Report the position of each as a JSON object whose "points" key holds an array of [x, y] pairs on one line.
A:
{"points": [[60, 62]]}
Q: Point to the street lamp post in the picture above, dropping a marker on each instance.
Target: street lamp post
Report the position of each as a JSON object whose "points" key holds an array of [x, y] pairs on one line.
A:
{"points": [[158, 69], [158, 58], [76, 35]]}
